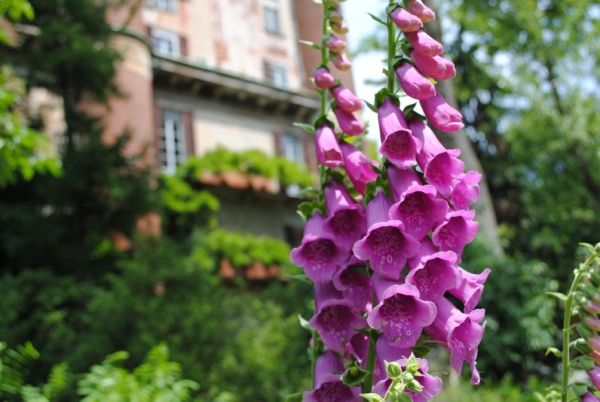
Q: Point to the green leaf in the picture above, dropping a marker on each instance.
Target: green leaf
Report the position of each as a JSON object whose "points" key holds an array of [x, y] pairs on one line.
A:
{"points": [[556, 352], [558, 295], [370, 106], [311, 44], [372, 397], [306, 127], [304, 323], [376, 18]]}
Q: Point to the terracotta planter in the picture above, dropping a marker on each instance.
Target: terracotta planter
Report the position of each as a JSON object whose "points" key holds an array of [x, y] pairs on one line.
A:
{"points": [[235, 180], [209, 177], [121, 242], [274, 271], [257, 272], [258, 183], [226, 270]]}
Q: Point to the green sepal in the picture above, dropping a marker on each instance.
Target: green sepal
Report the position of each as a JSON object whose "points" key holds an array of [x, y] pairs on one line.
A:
{"points": [[308, 208], [582, 346], [309, 128], [400, 396], [304, 323], [372, 397], [371, 106], [587, 363], [585, 331], [354, 376], [421, 351], [391, 7], [323, 120], [579, 388]]}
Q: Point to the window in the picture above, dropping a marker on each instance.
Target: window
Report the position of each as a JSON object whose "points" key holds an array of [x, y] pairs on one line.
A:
{"points": [[271, 20], [276, 74], [165, 43], [171, 147], [162, 5], [292, 149]]}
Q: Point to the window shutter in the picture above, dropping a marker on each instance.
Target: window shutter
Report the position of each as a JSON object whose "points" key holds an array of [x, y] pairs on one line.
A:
{"points": [[310, 153], [278, 139], [157, 126], [188, 126], [183, 46]]}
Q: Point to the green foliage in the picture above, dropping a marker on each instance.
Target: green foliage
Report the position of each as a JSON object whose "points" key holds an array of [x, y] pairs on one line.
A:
{"points": [[503, 391], [249, 162], [14, 369]]}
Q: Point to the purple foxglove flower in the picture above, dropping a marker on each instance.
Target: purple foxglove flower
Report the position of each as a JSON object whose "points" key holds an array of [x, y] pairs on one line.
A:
{"points": [[401, 315], [329, 386], [424, 44], [417, 8], [413, 82], [401, 180], [328, 148], [589, 397], [595, 376], [596, 356], [456, 232], [470, 288], [323, 78], [426, 249], [466, 191], [435, 67], [432, 386], [358, 167], [335, 44], [397, 141], [386, 244], [354, 287], [340, 28], [347, 220], [460, 333], [443, 116], [419, 210], [387, 353], [405, 20], [341, 62], [349, 123], [593, 323], [336, 16], [324, 293], [318, 254], [336, 323], [345, 99], [594, 342], [440, 166], [435, 275]]}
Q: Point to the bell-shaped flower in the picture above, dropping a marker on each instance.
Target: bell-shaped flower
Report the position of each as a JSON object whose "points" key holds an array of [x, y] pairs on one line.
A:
{"points": [[336, 16], [386, 244], [466, 191], [595, 376], [328, 382], [443, 116], [359, 348], [401, 315], [441, 167], [426, 249], [413, 82], [323, 78], [470, 288], [345, 99], [460, 333], [358, 167], [435, 67], [435, 275], [401, 180], [385, 352], [424, 44], [354, 286], [432, 386], [325, 292], [457, 230], [318, 254], [347, 219], [328, 148], [341, 62], [335, 44], [419, 9], [340, 28], [336, 322], [589, 397], [381, 284], [419, 209], [397, 141], [348, 122], [404, 20]]}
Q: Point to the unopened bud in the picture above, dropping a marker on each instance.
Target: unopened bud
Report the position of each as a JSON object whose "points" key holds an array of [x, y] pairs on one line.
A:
{"points": [[594, 342], [414, 386], [585, 332], [393, 370], [595, 277], [593, 322], [591, 292]]}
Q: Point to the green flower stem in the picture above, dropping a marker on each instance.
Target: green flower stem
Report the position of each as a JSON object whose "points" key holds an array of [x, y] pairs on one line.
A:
{"points": [[367, 385], [324, 60], [391, 52], [392, 386], [567, 323]]}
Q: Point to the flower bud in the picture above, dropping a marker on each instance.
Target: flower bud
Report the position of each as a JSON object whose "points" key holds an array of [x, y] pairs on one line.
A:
{"points": [[592, 322], [340, 28], [349, 123], [345, 99], [335, 44], [341, 62], [441, 115], [414, 386], [393, 370], [595, 277], [336, 16], [405, 20], [413, 82], [323, 78], [583, 347], [424, 44], [424, 13], [588, 334], [330, 3]]}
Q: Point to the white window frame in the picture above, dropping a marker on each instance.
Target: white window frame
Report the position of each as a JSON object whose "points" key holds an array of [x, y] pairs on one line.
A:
{"points": [[165, 42], [163, 5], [272, 22], [279, 74], [292, 148], [172, 147]]}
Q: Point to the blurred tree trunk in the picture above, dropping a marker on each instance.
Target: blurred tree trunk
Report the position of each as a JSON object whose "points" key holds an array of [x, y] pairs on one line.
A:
{"points": [[486, 216]]}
